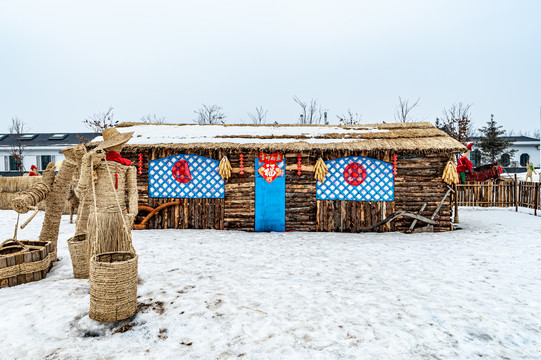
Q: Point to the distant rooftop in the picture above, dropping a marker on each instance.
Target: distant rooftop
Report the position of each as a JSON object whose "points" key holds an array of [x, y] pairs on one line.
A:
{"points": [[48, 139], [512, 138]]}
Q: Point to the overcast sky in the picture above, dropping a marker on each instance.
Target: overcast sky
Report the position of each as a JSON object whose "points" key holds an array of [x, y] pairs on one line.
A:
{"points": [[62, 61]]}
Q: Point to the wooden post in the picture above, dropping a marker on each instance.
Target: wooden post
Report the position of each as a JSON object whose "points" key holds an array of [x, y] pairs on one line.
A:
{"points": [[516, 194], [535, 201], [456, 204]]}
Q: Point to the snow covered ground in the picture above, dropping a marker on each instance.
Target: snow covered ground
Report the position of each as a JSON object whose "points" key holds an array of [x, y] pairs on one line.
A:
{"points": [[469, 294], [522, 176]]}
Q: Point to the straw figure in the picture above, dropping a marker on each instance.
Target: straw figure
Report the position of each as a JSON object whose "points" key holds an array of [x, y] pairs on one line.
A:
{"points": [[73, 200], [529, 170], [464, 165], [53, 189], [73, 197], [109, 225], [84, 195], [33, 171]]}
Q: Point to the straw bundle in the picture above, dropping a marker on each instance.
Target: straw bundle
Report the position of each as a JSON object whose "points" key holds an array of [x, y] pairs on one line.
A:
{"points": [[78, 248], [56, 202], [10, 187], [320, 170], [113, 286], [109, 225], [450, 176], [17, 183], [29, 199], [83, 190], [106, 232], [224, 169]]}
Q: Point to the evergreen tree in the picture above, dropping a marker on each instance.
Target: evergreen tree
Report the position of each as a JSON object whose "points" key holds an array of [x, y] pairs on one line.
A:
{"points": [[492, 144]]}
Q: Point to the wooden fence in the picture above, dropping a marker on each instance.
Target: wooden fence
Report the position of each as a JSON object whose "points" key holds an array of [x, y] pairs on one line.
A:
{"points": [[503, 194]]}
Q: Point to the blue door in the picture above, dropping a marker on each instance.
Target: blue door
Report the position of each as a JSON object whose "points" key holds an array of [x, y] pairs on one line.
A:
{"points": [[270, 201]]}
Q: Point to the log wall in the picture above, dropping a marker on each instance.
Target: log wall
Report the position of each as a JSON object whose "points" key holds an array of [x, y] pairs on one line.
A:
{"points": [[418, 182]]}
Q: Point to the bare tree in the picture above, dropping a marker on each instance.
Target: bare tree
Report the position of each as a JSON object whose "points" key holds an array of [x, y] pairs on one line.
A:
{"points": [[530, 133], [100, 121], [210, 115], [17, 147], [403, 109], [312, 112], [260, 115], [457, 122], [153, 119], [350, 118]]}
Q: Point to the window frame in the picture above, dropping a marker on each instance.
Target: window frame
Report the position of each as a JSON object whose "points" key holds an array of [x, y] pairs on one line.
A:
{"points": [[527, 157]]}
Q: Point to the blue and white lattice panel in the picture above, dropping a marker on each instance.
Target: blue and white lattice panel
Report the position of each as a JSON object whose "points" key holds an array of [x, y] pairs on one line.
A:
{"points": [[357, 178], [185, 176]]}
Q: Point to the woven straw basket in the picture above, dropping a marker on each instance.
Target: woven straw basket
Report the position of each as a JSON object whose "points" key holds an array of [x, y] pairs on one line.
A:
{"points": [[23, 261], [78, 247], [113, 286]]}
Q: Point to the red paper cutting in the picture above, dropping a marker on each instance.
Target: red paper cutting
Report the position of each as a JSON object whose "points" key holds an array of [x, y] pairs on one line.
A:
{"points": [[274, 157], [181, 171], [354, 174], [269, 171]]}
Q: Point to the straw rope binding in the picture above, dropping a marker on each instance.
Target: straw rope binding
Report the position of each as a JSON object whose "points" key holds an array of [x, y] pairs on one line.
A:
{"points": [[26, 268], [113, 286]]}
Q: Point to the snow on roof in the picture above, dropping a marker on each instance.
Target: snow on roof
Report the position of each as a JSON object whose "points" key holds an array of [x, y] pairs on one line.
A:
{"points": [[240, 134], [411, 137]]}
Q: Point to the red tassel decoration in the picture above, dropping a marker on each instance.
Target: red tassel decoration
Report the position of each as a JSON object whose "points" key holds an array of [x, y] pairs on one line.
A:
{"points": [[116, 177], [241, 164], [394, 164], [299, 166], [140, 165]]}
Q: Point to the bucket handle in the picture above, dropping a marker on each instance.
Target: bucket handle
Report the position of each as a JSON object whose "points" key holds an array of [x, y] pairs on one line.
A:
{"points": [[15, 241]]}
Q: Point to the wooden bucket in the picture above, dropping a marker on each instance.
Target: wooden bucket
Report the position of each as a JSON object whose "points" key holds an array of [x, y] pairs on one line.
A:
{"points": [[113, 286], [78, 248], [23, 261]]}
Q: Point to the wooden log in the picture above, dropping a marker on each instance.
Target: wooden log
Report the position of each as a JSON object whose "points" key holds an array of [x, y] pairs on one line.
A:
{"points": [[398, 214], [410, 230]]}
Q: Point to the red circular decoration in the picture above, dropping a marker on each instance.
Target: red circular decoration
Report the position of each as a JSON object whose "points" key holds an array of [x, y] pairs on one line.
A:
{"points": [[181, 172], [354, 174]]}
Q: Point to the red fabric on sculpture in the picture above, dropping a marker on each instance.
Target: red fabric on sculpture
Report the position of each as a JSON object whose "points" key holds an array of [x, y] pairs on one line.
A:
{"points": [[114, 156], [464, 165], [32, 174], [484, 175]]}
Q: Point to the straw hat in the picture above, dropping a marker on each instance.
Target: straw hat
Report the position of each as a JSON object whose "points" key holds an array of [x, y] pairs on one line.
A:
{"points": [[111, 138]]}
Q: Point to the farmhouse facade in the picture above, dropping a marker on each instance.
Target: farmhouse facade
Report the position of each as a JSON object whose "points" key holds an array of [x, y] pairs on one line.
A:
{"points": [[369, 172]]}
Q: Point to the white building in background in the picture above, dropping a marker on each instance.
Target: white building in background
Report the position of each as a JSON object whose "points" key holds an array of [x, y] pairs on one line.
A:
{"points": [[528, 149], [39, 149]]}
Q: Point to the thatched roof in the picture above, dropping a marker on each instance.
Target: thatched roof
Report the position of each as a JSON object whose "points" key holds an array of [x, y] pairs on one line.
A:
{"points": [[401, 137]]}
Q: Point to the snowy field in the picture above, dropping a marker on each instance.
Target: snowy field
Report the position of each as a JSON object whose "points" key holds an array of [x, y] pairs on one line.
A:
{"points": [[474, 293]]}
